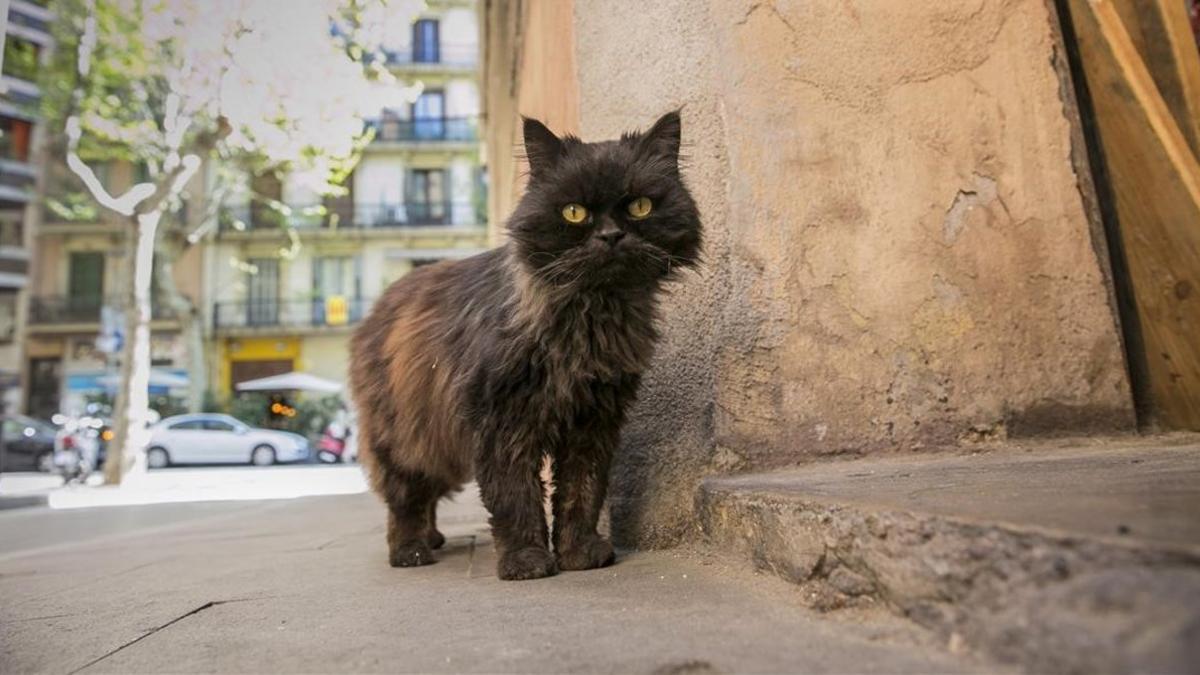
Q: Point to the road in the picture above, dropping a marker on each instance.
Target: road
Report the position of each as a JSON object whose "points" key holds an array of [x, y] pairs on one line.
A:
{"points": [[303, 584]]}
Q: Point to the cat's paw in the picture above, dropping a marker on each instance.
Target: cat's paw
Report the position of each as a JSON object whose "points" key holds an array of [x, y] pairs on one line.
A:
{"points": [[411, 554], [526, 563], [588, 554], [436, 540]]}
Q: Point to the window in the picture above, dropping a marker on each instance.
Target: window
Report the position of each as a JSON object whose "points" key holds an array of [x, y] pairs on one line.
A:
{"points": [[336, 275], [45, 381], [21, 58], [218, 425], [12, 231], [188, 425], [85, 285], [426, 197], [429, 115], [426, 47], [262, 301]]}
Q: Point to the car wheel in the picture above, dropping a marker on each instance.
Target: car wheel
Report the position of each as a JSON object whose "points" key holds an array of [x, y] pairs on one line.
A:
{"points": [[157, 458], [45, 462], [263, 455]]}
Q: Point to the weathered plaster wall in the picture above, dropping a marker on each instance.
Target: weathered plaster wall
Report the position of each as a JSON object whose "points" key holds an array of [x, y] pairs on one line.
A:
{"points": [[898, 254]]}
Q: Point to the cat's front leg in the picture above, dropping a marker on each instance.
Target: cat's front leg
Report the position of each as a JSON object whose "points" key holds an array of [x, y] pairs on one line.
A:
{"points": [[580, 483], [511, 485]]}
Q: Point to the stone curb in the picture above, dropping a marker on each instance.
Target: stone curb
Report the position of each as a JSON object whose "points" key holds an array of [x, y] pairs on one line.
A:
{"points": [[1043, 600], [22, 501]]}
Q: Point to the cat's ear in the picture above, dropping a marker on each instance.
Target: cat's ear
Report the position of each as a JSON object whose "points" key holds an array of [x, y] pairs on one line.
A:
{"points": [[663, 138], [542, 147]]}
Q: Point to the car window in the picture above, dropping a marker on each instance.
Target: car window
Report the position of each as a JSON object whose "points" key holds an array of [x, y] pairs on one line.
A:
{"points": [[217, 425], [188, 425]]}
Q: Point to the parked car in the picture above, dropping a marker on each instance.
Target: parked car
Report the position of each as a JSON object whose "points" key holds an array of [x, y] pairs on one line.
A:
{"points": [[209, 438], [26, 444]]}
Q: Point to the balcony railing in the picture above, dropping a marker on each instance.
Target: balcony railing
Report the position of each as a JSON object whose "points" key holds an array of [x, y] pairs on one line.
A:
{"points": [[430, 56], [425, 130], [17, 174], [291, 314], [258, 217], [60, 309]]}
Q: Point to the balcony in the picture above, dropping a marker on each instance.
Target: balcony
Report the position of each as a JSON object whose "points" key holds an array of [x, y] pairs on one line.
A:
{"points": [[266, 316], [265, 217], [16, 183], [426, 130], [57, 310], [434, 57]]}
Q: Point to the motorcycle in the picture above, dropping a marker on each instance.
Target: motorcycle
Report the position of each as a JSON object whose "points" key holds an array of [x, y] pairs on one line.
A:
{"points": [[78, 446], [332, 445]]}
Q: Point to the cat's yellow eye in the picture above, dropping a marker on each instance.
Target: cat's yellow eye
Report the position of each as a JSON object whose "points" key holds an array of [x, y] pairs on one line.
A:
{"points": [[574, 214], [640, 208]]}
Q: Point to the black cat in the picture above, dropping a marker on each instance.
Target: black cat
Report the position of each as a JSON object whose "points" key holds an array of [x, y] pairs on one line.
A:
{"points": [[480, 368]]}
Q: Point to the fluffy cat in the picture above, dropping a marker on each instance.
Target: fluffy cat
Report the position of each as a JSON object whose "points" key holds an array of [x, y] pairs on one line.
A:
{"points": [[480, 368]]}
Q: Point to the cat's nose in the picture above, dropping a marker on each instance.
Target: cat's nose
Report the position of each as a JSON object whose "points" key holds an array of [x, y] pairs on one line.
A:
{"points": [[611, 237]]}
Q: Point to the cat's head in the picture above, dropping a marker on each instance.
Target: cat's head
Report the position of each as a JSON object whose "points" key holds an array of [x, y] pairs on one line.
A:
{"points": [[608, 214]]}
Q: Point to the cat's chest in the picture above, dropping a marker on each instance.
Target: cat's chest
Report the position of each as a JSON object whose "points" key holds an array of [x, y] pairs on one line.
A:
{"points": [[589, 351]]}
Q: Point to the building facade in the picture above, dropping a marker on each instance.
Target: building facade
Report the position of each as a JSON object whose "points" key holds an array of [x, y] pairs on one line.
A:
{"points": [[80, 266], [287, 298], [26, 44]]}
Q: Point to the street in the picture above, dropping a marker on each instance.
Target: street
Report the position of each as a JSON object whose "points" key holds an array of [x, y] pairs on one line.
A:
{"points": [[303, 585]]}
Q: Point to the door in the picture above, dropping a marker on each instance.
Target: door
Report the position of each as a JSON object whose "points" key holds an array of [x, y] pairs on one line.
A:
{"points": [[21, 443], [85, 286], [426, 41], [335, 277], [241, 371], [262, 297], [224, 444], [427, 198], [429, 116], [186, 443], [266, 188], [45, 381]]}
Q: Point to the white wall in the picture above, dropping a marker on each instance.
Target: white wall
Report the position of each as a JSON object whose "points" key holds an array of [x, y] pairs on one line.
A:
{"points": [[462, 189], [462, 98], [459, 28]]}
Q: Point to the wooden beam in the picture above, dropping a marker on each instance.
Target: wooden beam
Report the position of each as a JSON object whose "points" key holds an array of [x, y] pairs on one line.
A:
{"points": [[1155, 181], [1162, 34]]}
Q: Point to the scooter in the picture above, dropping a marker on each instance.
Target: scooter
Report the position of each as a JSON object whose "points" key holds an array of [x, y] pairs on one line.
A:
{"points": [[332, 444]]}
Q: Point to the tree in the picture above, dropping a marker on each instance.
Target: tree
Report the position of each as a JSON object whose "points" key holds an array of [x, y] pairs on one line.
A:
{"points": [[172, 84]]}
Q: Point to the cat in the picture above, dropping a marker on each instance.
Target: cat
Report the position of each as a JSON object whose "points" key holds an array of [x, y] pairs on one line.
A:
{"points": [[481, 368]]}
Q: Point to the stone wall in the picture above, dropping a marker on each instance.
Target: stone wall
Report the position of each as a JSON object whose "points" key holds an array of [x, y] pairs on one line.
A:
{"points": [[898, 252]]}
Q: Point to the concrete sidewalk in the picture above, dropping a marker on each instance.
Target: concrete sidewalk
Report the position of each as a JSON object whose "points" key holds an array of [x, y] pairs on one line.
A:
{"points": [[303, 585]]}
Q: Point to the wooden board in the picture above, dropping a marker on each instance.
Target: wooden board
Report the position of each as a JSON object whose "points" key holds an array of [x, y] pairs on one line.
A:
{"points": [[1163, 37], [1155, 181]]}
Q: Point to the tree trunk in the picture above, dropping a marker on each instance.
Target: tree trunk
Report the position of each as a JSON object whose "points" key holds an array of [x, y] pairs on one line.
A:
{"points": [[171, 246], [131, 414]]}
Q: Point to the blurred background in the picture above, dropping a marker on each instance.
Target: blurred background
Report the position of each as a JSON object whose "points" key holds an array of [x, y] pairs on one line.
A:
{"points": [[349, 153]]}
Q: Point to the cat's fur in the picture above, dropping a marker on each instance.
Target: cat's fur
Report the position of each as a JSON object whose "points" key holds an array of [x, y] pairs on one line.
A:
{"points": [[482, 367]]}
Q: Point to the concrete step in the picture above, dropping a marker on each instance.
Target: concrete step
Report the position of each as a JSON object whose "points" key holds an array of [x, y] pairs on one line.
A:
{"points": [[1064, 559]]}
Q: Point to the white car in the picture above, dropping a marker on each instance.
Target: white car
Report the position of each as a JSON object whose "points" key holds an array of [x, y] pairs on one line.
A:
{"points": [[209, 438]]}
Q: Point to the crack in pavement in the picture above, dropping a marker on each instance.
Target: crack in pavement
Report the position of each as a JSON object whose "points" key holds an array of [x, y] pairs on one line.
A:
{"points": [[156, 629], [34, 618]]}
